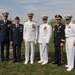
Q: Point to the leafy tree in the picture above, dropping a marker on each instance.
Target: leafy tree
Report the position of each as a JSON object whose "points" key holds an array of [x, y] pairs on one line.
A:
{"points": [[52, 22], [74, 21], [11, 20]]}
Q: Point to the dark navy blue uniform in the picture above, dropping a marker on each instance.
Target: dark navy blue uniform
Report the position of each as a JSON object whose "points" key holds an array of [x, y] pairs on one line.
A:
{"points": [[16, 36], [59, 37], [4, 38]]}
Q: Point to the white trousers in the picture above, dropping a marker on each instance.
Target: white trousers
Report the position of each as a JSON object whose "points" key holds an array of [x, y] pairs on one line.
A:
{"points": [[70, 51], [29, 45], [43, 52]]}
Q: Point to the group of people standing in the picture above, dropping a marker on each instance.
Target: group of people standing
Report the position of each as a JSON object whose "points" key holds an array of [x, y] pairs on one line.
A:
{"points": [[31, 34]]}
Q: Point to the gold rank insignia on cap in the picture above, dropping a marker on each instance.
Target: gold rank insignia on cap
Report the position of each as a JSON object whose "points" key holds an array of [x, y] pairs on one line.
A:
{"points": [[5, 14], [58, 17], [68, 17], [44, 17], [30, 14]]}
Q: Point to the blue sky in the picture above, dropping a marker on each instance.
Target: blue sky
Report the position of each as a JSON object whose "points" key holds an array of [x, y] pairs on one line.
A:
{"points": [[38, 7]]}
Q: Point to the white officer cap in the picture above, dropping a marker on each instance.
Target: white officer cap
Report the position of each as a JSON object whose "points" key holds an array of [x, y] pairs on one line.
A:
{"points": [[67, 16], [44, 17]]}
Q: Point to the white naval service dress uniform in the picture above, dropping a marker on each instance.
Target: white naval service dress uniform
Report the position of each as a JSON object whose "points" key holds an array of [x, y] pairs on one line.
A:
{"points": [[70, 48], [29, 36], [45, 33]]}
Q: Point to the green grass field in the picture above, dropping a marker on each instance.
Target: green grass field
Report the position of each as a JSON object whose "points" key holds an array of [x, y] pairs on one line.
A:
{"points": [[9, 68]]}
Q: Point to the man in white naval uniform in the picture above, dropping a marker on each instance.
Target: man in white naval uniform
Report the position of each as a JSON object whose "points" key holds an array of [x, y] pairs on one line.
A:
{"points": [[30, 37], [70, 42], [45, 33]]}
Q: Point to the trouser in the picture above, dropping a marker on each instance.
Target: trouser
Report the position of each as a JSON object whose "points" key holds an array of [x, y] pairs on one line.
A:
{"points": [[43, 52], [17, 52], [2, 50], [57, 54], [70, 51], [27, 47]]}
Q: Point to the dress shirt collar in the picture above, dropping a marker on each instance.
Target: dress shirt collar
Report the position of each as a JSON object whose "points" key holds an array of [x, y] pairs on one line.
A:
{"points": [[29, 21], [5, 21]]}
